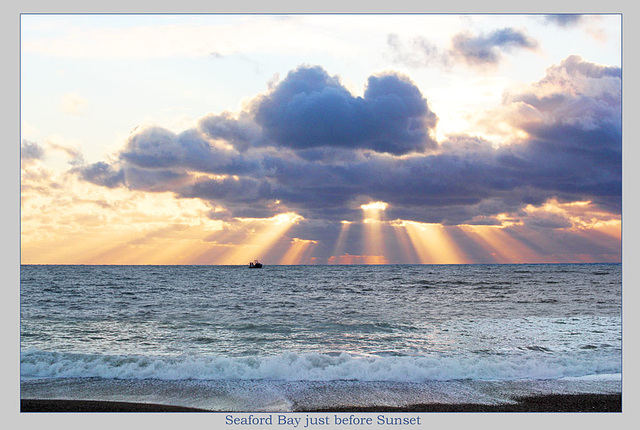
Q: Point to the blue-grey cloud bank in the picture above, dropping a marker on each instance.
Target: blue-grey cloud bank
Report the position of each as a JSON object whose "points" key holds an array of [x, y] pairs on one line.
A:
{"points": [[315, 148]]}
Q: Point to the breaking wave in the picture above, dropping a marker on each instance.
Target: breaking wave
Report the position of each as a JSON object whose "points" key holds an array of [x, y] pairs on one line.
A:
{"points": [[315, 367]]}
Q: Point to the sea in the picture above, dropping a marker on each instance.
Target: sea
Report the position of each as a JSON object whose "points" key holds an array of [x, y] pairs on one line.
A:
{"points": [[301, 338]]}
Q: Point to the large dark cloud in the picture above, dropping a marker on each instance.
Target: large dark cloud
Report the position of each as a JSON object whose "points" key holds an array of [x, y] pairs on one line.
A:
{"points": [[453, 186], [310, 146], [311, 109], [573, 153]]}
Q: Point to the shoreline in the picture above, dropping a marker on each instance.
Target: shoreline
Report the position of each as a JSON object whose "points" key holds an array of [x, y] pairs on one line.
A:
{"points": [[543, 403]]}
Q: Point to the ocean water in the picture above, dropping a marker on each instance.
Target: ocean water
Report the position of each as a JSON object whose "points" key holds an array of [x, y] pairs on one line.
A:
{"points": [[287, 338]]}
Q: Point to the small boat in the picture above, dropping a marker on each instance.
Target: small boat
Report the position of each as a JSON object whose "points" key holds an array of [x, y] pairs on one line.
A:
{"points": [[255, 265]]}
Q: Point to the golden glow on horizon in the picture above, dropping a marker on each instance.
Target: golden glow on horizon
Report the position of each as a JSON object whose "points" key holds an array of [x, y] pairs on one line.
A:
{"points": [[347, 259], [67, 221], [96, 225]]}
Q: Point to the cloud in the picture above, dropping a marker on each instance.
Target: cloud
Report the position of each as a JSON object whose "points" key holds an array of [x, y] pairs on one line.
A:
{"points": [[311, 109], [75, 155], [563, 20], [154, 180], [31, 151], [487, 49], [156, 148], [101, 173], [590, 24], [228, 189], [421, 53], [73, 104], [573, 73], [242, 133], [574, 124], [309, 146], [470, 49]]}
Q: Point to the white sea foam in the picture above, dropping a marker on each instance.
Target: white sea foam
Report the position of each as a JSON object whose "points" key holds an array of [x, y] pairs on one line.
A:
{"points": [[315, 367], [598, 377]]}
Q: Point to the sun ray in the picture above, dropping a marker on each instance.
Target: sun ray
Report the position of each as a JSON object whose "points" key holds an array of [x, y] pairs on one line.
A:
{"points": [[159, 246], [404, 240], [433, 244], [263, 236], [503, 247], [299, 252], [373, 217], [92, 249], [611, 229], [606, 238], [338, 248]]}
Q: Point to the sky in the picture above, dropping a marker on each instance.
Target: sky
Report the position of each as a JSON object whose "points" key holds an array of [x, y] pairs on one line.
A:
{"points": [[320, 139]]}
